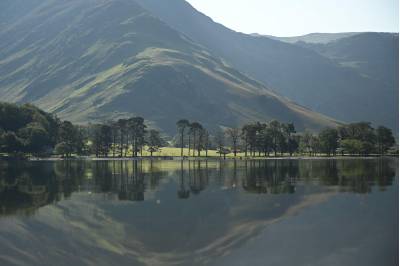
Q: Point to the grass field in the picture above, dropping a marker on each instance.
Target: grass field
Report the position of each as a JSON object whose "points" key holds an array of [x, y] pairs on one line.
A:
{"points": [[170, 151], [176, 152]]}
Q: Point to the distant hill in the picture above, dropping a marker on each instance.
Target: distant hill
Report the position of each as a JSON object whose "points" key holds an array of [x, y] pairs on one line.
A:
{"points": [[96, 60], [312, 37], [372, 54], [304, 75]]}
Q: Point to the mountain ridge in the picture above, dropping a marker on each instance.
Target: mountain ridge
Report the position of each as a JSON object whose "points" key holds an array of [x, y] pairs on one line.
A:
{"points": [[299, 73], [99, 60], [315, 37]]}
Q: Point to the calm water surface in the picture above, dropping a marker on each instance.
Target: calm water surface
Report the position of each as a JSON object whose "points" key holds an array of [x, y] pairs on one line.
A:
{"points": [[270, 212]]}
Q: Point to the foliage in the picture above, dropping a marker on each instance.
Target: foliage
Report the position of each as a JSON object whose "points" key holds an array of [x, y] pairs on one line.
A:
{"points": [[101, 140], [26, 129], [352, 146], [181, 126], [32, 131], [234, 135], [63, 149], [385, 139], [154, 141], [328, 139]]}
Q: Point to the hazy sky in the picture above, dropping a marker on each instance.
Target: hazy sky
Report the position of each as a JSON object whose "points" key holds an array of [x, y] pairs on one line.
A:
{"points": [[298, 17]]}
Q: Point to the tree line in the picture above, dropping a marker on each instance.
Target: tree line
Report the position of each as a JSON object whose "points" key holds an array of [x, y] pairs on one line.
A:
{"points": [[26, 129], [276, 138]]}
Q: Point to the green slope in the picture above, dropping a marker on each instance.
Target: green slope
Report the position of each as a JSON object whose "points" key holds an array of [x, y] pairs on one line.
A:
{"points": [[102, 59]]}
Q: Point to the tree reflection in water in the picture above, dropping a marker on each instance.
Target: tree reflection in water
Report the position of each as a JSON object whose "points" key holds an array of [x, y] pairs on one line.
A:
{"points": [[183, 193], [25, 187]]}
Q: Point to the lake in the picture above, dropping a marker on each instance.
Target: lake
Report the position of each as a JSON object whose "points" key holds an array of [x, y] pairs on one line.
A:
{"points": [[259, 212]]}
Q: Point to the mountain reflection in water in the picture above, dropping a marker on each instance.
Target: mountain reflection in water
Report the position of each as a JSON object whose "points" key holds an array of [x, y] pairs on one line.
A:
{"points": [[172, 212]]}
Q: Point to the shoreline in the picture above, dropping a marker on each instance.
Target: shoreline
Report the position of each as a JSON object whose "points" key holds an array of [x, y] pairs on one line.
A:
{"points": [[210, 158]]}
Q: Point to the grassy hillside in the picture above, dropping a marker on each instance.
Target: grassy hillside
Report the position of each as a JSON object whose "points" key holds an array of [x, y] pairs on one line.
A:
{"points": [[100, 59], [296, 72]]}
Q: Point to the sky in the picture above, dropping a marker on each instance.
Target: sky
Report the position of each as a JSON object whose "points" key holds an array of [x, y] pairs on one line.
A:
{"points": [[299, 17]]}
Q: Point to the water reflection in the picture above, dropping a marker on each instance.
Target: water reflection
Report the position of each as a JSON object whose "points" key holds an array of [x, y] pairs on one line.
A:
{"points": [[25, 187], [199, 212]]}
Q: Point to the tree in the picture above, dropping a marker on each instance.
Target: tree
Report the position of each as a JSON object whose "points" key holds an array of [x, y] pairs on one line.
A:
{"points": [[62, 149], [361, 131], [102, 140], [115, 136], [206, 140], [137, 130], [265, 140], [234, 135], [122, 128], [12, 118], [219, 140], [245, 137], [82, 140], [224, 151], [68, 134], [291, 143], [249, 135], [306, 142], [328, 138], [10, 143], [195, 128], [154, 141], [203, 141], [34, 130], [276, 135], [181, 126], [35, 138], [315, 144], [352, 146], [385, 139]]}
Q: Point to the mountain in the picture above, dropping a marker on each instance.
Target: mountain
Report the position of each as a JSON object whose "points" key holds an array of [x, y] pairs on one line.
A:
{"points": [[96, 60], [312, 37], [299, 73], [359, 52]]}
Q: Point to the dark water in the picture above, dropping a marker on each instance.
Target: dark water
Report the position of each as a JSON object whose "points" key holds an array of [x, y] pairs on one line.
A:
{"points": [[275, 212]]}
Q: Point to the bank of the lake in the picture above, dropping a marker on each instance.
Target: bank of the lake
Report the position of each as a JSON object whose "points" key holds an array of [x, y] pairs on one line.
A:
{"points": [[202, 158]]}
